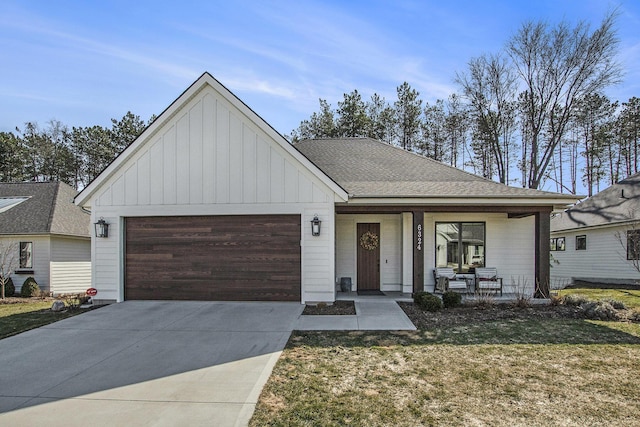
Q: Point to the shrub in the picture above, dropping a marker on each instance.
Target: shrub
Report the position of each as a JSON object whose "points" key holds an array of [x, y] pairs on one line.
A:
{"points": [[600, 310], [9, 288], [451, 299], [418, 296], [30, 288], [555, 300], [427, 301], [575, 300], [618, 305], [484, 300]]}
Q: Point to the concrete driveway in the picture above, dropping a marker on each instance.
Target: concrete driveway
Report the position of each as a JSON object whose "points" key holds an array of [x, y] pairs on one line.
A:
{"points": [[145, 363]]}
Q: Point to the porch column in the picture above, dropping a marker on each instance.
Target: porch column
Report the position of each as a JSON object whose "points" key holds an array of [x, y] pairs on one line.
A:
{"points": [[543, 232], [418, 251]]}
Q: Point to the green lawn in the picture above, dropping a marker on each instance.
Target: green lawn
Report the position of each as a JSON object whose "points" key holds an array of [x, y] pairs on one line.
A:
{"points": [[532, 372], [21, 316], [630, 297]]}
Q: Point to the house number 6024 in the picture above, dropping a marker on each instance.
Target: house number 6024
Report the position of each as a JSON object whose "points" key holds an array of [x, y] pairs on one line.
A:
{"points": [[419, 247]]}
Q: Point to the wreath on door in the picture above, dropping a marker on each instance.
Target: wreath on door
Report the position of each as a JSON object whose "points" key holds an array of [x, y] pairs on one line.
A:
{"points": [[369, 241]]}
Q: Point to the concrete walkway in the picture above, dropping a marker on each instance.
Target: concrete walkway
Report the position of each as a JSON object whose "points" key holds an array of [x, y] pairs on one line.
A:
{"points": [[372, 314]]}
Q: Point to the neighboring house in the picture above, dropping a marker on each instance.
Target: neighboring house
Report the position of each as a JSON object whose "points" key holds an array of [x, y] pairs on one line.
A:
{"points": [[50, 235], [211, 203], [598, 239]]}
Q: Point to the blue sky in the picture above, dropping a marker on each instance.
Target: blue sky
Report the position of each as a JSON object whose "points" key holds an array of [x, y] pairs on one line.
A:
{"points": [[85, 62]]}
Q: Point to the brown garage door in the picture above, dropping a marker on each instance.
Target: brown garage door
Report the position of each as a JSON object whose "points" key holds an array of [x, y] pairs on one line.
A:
{"points": [[231, 258]]}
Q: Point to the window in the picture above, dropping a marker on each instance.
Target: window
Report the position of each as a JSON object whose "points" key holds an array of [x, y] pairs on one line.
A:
{"points": [[26, 255], [581, 243], [557, 244], [460, 245], [633, 244]]}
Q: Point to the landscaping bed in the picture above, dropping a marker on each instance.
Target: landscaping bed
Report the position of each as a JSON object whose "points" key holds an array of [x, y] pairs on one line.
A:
{"points": [[339, 307], [473, 314]]}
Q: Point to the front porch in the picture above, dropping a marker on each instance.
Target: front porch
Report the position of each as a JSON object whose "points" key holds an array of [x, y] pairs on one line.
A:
{"points": [[395, 249]]}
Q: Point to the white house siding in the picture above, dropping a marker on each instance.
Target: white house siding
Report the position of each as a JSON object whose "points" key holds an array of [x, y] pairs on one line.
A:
{"points": [[605, 258], [390, 248], [211, 159], [41, 254], [70, 267], [509, 247]]}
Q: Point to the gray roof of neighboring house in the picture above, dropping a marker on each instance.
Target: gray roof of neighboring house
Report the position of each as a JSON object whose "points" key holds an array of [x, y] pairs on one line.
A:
{"points": [[48, 209], [617, 204], [369, 168]]}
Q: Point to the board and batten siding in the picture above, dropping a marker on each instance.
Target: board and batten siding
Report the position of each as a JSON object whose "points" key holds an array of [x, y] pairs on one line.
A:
{"points": [[209, 158], [70, 267], [605, 257], [509, 247], [390, 248]]}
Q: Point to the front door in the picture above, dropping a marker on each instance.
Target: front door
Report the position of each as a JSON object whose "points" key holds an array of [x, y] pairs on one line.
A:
{"points": [[368, 256]]}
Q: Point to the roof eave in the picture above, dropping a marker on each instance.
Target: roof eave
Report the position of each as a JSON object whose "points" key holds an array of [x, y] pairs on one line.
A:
{"points": [[560, 202]]}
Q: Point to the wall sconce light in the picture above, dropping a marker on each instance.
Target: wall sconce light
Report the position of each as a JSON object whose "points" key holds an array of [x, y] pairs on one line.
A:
{"points": [[315, 226], [102, 228]]}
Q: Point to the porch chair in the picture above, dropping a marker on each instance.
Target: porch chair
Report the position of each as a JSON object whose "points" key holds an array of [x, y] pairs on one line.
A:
{"points": [[446, 280], [487, 280]]}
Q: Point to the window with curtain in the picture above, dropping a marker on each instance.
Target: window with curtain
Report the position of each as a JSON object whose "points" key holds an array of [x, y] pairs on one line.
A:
{"points": [[26, 255]]}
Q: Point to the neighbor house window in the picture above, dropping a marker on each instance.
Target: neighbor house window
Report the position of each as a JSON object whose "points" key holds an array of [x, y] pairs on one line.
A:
{"points": [[26, 254], [581, 243], [633, 244], [557, 244], [460, 245]]}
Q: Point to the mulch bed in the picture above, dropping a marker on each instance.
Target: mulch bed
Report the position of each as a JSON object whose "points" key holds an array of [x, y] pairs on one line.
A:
{"points": [[339, 307], [464, 315]]}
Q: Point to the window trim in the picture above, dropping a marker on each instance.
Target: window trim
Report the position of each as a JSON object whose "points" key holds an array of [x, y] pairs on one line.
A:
{"points": [[581, 247], [633, 245], [459, 241], [557, 244], [28, 262]]}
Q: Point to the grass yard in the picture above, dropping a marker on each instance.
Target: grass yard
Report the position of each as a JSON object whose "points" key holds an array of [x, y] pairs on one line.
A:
{"points": [[528, 372], [630, 297], [20, 316]]}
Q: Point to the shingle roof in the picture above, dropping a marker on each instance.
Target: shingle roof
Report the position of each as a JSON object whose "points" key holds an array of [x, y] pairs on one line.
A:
{"points": [[618, 203], [369, 168], [49, 209]]}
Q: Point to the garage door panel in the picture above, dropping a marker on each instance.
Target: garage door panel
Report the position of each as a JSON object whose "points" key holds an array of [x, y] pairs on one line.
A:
{"points": [[253, 257]]}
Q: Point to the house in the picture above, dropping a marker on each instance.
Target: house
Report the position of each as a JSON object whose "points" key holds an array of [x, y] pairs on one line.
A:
{"points": [[211, 203], [598, 239], [49, 234]]}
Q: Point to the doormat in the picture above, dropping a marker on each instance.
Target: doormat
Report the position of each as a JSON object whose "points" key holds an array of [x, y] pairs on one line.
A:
{"points": [[371, 292]]}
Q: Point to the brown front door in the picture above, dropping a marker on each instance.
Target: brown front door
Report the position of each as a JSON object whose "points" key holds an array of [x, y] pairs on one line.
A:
{"points": [[368, 256]]}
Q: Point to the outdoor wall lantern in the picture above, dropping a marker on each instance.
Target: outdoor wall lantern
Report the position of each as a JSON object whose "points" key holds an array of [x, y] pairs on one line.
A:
{"points": [[315, 226], [102, 228]]}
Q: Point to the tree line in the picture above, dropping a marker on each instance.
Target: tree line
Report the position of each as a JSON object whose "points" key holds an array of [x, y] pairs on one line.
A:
{"points": [[531, 114], [56, 152]]}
